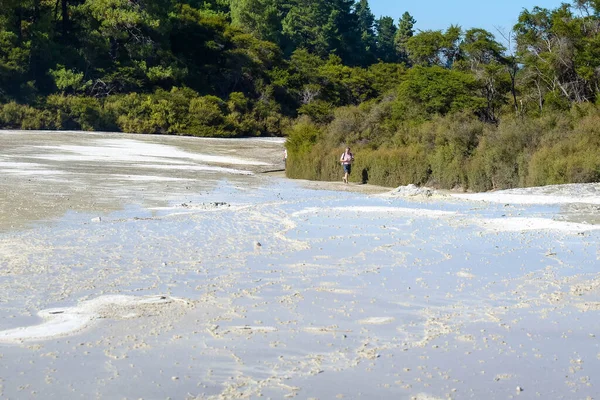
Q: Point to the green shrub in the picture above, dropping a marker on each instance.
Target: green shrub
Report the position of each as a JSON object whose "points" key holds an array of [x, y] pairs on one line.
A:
{"points": [[76, 112], [501, 156], [391, 167], [19, 116], [573, 159], [130, 113], [207, 117], [319, 111], [302, 137]]}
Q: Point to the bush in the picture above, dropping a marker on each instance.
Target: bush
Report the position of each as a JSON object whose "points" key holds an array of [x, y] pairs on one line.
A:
{"points": [[128, 112], [302, 137], [76, 113], [175, 112], [391, 167], [572, 159], [500, 159], [18, 116], [319, 111]]}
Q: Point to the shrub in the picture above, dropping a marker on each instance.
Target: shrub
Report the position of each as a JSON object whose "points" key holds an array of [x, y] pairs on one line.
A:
{"points": [[76, 113], [129, 113], [18, 116], [319, 111], [392, 167], [207, 117], [302, 137], [574, 159]]}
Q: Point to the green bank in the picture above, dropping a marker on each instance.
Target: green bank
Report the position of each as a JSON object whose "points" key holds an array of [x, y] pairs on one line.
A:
{"points": [[452, 108]]}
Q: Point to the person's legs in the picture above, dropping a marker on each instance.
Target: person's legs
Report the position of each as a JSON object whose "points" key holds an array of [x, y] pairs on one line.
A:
{"points": [[346, 172]]}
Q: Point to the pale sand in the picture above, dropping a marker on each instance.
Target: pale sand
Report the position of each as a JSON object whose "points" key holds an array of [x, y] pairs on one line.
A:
{"points": [[142, 268], [71, 320]]}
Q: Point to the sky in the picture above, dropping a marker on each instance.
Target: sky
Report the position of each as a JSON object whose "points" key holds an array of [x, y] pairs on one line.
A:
{"points": [[440, 14]]}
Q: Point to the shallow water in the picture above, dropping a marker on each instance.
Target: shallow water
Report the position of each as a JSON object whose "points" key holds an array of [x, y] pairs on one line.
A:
{"points": [[287, 290]]}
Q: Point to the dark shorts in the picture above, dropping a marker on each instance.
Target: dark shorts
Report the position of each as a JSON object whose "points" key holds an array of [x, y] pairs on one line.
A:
{"points": [[347, 168]]}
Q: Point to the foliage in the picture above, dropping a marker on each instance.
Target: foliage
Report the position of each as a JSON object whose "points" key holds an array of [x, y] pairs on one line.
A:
{"points": [[76, 113], [451, 108], [456, 150]]}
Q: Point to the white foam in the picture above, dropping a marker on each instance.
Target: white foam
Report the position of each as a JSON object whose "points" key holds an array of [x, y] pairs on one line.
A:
{"points": [[193, 208], [526, 198], [66, 321], [534, 224], [127, 150], [418, 212], [376, 321], [20, 165], [556, 194], [411, 191], [147, 178], [278, 140], [189, 167], [31, 172]]}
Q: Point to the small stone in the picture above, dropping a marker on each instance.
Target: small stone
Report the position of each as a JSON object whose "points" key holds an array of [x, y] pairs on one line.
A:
{"points": [[257, 244], [519, 389], [175, 378], [97, 219]]}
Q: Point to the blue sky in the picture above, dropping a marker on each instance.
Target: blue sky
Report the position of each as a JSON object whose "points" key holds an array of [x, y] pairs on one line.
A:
{"points": [[439, 14]]}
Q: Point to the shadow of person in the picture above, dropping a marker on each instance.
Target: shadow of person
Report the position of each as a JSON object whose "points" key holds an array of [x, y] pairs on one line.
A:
{"points": [[365, 176]]}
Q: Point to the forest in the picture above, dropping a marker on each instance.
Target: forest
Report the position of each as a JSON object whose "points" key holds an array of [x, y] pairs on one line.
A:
{"points": [[455, 108]]}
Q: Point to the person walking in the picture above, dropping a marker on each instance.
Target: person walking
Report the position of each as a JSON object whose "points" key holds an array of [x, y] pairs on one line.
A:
{"points": [[346, 160]]}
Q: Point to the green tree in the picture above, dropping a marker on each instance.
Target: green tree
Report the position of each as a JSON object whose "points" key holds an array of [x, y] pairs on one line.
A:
{"points": [[430, 48], [403, 34], [437, 90], [323, 27], [366, 24], [308, 25], [259, 17], [559, 52], [483, 56], [386, 32], [346, 38]]}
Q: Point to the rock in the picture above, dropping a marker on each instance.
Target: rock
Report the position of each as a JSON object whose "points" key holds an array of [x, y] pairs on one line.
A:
{"points": [[257, 244], [519, 389], [97, 219]]}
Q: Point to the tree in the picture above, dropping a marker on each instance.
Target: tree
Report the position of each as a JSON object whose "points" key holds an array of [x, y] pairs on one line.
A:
{"points": [[366, 24], [451, 51], [559, 52], [404, 33], [308, 25], [386, 32], [438, 90], [346, 37], [480, 47], [259, 17], [425, 48], [430, 48], [323, 27], [483, 56], [589, 7]]}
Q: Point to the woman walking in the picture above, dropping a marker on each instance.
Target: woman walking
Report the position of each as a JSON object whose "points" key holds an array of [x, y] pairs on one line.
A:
{"points": [[346, 160]]}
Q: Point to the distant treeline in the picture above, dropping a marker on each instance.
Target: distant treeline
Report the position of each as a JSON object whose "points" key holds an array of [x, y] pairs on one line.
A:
{"points": [[450, 108]]}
